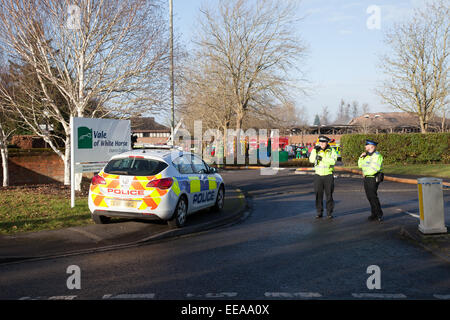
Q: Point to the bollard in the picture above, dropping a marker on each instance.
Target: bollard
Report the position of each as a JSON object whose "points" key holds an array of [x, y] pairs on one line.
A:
{"points": [[431, 205]]}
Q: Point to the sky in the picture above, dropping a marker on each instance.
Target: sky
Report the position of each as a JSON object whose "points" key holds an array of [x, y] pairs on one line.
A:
{"points": [[343, 52]]}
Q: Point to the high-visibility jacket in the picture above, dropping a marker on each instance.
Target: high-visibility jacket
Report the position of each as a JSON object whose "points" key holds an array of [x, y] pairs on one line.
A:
{"points": [[371, 164], [325, 166]]}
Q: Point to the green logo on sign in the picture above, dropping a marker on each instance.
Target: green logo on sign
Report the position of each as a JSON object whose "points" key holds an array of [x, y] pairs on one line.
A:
{"points": [[84, 138]]}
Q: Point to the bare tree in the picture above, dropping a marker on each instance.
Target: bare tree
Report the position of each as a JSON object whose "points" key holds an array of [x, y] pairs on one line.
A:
{"points": [[205, 95], [355, 109], [287, 116], [255, 45], [324, 117], [417, 68], [340, 117], [112, 52], [365, 108]]}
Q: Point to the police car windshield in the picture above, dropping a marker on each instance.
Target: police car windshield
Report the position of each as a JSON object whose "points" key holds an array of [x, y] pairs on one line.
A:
{"points": [[135, 167]]}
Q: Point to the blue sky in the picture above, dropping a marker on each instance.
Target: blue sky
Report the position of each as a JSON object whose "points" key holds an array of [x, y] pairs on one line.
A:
{"points": [[342, 60]]}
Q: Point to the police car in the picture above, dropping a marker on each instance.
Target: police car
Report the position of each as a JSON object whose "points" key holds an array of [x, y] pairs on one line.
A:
{"points": [[168, 184]]}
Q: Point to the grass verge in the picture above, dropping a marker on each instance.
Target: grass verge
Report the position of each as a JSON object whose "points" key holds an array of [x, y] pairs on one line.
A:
{"points": [[37, 209], [431, 170]]}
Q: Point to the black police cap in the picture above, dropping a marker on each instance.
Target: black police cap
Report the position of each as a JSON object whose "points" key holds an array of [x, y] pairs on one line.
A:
{"points": [[370, 142]]}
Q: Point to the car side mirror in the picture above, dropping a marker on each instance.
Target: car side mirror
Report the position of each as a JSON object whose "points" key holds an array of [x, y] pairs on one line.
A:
{"points": [[212, 170]]}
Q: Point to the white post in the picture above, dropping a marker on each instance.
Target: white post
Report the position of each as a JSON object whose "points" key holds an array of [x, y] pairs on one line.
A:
{"points": [[72, 164], [431, 206]]}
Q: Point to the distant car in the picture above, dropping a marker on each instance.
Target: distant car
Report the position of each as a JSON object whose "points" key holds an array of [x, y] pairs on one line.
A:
{"points": [[338, 151], [167, 184]]}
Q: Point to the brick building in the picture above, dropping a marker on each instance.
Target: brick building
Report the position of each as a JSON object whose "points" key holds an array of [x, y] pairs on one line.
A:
{"points": [[147, 130]]}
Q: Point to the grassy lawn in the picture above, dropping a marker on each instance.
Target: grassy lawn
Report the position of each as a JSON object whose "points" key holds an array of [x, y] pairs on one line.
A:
{"points": [[35, 209], [432, 170]]}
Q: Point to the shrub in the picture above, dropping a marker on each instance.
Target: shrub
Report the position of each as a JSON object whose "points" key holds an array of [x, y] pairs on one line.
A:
{"points": [[399, 148]]}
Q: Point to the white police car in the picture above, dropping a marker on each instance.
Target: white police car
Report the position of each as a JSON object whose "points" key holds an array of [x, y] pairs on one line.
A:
{"points": [[166, 184]]}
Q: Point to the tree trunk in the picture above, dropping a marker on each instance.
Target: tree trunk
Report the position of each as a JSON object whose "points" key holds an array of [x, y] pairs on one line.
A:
{"points": [[4, 152], [423, 126], [444, 122], [237, 154], [66, 160], [225, 144]]}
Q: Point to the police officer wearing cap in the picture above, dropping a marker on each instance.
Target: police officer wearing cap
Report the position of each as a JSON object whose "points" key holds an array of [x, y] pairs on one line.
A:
{"points": [[324, 158], [371, 163]]}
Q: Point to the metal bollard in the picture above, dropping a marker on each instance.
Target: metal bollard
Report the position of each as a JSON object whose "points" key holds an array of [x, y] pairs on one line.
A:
{"points": [[431, 205]]}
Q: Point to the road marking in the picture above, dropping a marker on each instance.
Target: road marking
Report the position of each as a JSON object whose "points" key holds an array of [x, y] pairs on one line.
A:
{"points": [[126, 296], [411, 214], [213, 295], [442, 296], [379, 295], [62, 298], [50, 298], [305, 295]]}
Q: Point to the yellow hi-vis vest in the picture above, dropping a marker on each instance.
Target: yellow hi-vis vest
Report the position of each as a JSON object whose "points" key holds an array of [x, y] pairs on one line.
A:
{"points": [[324, 167], [371, 164]]}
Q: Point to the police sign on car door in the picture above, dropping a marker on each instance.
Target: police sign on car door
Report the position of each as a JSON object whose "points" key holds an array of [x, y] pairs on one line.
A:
{"points": [[204, 187]]}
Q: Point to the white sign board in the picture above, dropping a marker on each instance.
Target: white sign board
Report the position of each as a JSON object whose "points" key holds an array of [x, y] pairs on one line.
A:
{"points": [[94, 142]]}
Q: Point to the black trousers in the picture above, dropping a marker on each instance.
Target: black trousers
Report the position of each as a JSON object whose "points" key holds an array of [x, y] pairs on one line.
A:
{"points": [[371, 188], [324, 184]]}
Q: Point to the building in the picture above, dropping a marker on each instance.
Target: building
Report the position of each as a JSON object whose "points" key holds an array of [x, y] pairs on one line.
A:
{"points": [[147, 130], [394, 122], [381, 122]]}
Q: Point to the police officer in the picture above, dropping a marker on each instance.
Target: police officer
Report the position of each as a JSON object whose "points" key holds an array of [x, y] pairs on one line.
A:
{"points": [[324, 158], [371, 163]]}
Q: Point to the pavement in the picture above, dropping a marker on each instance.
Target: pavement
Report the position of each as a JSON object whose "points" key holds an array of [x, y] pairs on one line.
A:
{"points": [[438, 244], [118, 234]]}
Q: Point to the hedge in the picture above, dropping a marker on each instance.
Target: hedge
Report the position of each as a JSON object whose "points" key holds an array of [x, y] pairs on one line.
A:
{"points": [[416, 148]]}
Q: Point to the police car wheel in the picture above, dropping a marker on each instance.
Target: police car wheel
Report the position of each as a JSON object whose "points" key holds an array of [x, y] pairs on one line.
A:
{"points": [[179, 217], [100, 219], [220, 200]]}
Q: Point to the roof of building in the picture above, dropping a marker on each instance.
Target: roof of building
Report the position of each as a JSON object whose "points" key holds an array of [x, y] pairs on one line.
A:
{"points": [[147, 125], [385, 120]]}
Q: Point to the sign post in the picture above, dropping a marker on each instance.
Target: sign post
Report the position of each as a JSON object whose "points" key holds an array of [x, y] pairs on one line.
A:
{"points": [[72, 164], [93, 143]]}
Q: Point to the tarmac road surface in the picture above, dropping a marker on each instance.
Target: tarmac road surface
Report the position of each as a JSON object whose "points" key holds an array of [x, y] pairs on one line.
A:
{"points": [[279, 252]]}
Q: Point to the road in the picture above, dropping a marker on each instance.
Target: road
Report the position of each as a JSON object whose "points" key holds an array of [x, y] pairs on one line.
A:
{"points": [[278, 252]]}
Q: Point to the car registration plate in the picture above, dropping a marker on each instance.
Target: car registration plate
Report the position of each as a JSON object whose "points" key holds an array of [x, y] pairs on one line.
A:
{"points": [[123, 203]]}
